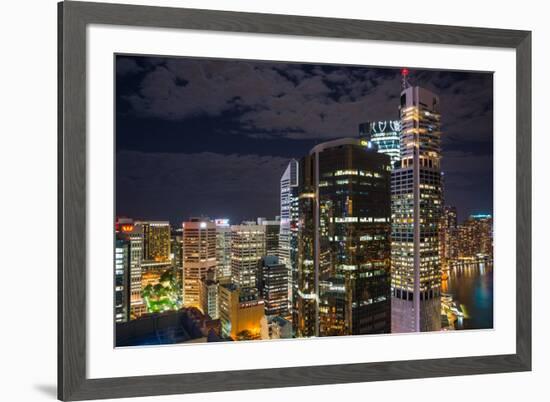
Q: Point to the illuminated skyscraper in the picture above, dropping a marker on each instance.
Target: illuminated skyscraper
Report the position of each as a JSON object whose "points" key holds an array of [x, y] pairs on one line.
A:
{"points": [[130, 236], [273, 286], [448, 231], [223, 250], [272, 228], [416, 210], [288, 233], [156, 241], [344, 240], [247, 248], [385, 135], [199, 255]]}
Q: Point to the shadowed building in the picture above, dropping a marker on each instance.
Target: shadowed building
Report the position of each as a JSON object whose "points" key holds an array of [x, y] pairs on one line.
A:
{"points": [[344, 240]]}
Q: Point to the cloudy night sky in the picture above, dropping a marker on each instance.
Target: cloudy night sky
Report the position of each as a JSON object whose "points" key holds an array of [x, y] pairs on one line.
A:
{"points": [[213, 137]]}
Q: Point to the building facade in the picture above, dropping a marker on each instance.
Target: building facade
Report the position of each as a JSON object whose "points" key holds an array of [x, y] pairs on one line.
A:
{"points": [[241, 313], [475, 238], [448, 236], [131, 234], [247, 249], [385, 135], [272, 229], [288, 233], [416, 209], [223, 250], [199, 255], [156, 241], [209, 294], [344, 240], [273, 286]]}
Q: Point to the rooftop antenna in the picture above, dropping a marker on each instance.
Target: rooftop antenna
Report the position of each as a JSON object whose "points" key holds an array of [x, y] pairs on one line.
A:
{"points": [[405, 79]]}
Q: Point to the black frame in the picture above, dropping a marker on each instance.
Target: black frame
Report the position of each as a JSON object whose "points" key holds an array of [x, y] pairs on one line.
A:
{"points": [[73, 17]]}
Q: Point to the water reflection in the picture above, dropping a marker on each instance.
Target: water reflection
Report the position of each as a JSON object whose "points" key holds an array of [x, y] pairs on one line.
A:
{"points": [[471, 286]]}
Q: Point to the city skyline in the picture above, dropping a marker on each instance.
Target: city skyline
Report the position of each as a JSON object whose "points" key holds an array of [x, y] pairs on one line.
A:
{"points": [[158, 146], [352, 228]]}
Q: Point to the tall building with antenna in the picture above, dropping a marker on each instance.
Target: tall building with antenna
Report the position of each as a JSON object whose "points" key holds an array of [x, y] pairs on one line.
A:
{"points": [[417, 199]]}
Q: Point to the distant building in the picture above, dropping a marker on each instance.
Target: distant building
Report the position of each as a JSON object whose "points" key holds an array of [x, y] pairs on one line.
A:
{"points": [[209, 294], [241, 313], [385, 136], [288, 232], [475, 237], [247, 248], [130, 236], [448, 236], [272, 228], [417, 199], [156, 240], [223, 250], [122, 280], [199, 255], [273, 286]]}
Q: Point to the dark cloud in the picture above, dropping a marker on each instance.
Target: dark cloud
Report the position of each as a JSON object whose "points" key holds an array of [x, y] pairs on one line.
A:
{"points": [[178, 186], [190, 106]]}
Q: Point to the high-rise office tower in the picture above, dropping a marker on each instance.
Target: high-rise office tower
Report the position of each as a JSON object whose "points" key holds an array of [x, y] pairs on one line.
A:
{"points": [[131, 235], [344, 240], [288, 232], [385, 135], [247, 248], [156, 241], [272, 228], [223, 250], [475, 237], [448, 230], [416, 210], [209, 294], [199, 255], [273, 286]]}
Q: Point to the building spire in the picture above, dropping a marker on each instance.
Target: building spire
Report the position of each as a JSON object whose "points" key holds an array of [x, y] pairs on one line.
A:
{"points": [[405, 79]]}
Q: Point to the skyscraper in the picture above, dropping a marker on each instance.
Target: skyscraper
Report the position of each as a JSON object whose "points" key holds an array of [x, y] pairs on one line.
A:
{"points": [[247, 248], [448, 230], [223, 250], [131, 235], [288, 232], [385, 135], [416, 209], [344, 240], [273, 286], [199, 255], [272, 228]]}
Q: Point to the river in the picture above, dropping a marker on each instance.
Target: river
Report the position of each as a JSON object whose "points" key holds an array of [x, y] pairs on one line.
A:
{"points": [[471, 285]]}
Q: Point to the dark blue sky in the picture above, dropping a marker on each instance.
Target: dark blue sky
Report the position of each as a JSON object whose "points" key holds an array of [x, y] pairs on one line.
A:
{"points": [[212, 137]]}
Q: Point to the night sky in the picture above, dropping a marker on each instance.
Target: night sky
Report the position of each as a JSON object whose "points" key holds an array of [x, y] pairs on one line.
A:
{"points": [[213, 137]]}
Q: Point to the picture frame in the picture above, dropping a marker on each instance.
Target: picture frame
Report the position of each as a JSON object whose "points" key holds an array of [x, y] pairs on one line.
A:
{"points": [[73, 19]]}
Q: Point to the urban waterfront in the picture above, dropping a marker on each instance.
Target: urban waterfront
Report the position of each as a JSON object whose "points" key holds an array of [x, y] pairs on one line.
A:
{"points": [[264, 200], [471, 286]]}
